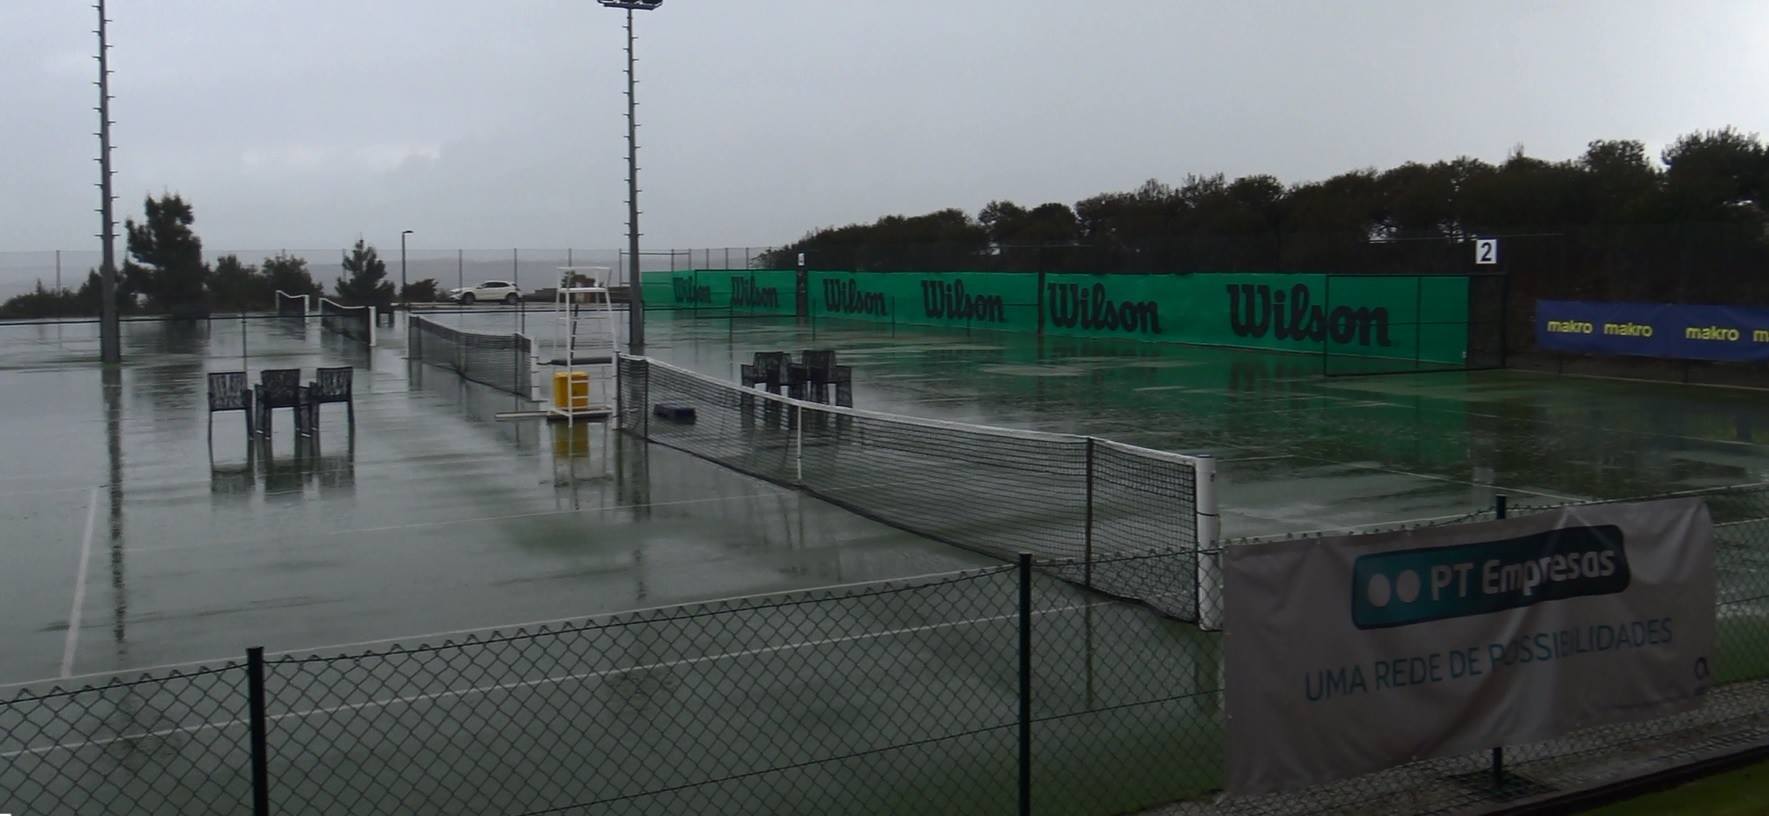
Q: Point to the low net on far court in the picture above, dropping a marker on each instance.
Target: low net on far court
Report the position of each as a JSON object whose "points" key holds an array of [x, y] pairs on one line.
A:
{"points": [[353, 322], [507, 361], [1084, 507], [288, 305]]}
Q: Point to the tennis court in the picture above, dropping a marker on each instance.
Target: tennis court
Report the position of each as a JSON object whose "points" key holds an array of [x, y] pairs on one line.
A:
{"points": [[431, 517]]}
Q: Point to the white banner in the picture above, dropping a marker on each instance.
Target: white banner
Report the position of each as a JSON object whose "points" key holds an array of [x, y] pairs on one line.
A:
{"points": [[1351, 654]]}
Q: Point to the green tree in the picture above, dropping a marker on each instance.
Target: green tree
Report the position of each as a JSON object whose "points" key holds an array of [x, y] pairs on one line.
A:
{"points": [[237, 286], [364, 282], [165, 262], [287, 273], [1623, 181], [89, 296], [424, 291], [41, 302], [1718, 175]]}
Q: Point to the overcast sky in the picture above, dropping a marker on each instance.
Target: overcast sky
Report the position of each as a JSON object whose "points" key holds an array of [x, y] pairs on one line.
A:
{"points": [[498, 124]]}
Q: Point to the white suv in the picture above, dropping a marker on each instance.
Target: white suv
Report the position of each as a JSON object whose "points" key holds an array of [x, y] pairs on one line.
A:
{"points": [[494, 291]]}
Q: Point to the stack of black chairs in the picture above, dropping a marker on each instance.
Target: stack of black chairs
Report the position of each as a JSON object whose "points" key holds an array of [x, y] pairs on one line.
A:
{"points": [[814, 378]]}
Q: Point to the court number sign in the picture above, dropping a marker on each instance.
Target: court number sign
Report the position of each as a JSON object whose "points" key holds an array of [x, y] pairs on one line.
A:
{"points": [[1486, 251]]}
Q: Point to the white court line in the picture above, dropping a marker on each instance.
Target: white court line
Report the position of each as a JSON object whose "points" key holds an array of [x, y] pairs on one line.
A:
{"points": [[502, 630], [73, 637], [578, 676], [415, 525], [42, 491], [1497, 488]]}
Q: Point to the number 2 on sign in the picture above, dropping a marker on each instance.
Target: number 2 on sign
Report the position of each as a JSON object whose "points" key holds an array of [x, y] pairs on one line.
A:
{"points": [[1486, 251]]}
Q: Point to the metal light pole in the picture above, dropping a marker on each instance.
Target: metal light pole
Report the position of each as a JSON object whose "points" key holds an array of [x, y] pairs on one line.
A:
{"points": [[402, 284], [110, 349], [635, 291]]}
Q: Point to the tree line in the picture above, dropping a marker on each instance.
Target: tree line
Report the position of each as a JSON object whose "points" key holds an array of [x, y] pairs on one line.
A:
{"points": [[164, 273], [1614, 222]]}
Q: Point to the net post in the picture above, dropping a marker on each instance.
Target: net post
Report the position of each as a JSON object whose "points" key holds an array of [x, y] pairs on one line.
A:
{"points": [[620, 392], [645, 401], [1208, 582], [1025, 715], [374, 324], [258, 723], [798, 444], [1087, 534]]}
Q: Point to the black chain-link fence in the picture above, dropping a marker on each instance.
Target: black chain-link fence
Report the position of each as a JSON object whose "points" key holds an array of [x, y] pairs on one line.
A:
{"points": [[971, 692]]}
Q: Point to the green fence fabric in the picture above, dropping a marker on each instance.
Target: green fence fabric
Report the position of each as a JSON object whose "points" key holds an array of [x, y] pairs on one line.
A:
{"points": [[1391, 316], [1356, 321], [738, 291], [998, 301]]}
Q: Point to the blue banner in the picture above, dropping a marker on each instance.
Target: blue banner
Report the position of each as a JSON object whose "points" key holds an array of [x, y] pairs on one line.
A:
{"points": [[1729, 333]]}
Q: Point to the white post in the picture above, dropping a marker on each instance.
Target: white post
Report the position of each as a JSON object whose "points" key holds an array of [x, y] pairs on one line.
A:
{"points": [[1209, 564], [534, 372]]}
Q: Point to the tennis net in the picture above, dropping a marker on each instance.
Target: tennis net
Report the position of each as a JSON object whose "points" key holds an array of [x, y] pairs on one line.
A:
{"points": [[288, 305], [507, 362], [1081, 505], [354, 322]]}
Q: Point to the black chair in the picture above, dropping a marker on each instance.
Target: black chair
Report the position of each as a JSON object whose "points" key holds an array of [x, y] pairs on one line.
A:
{"points": [[332, 385], [279, 388], [228, 392]]}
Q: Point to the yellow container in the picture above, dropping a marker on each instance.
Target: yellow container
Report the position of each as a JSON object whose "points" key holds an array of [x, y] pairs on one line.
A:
{"points": [[571, 390]]}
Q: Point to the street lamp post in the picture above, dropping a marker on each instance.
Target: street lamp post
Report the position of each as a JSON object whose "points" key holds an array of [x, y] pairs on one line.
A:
{"points": [[402, 283], [635, 291]]}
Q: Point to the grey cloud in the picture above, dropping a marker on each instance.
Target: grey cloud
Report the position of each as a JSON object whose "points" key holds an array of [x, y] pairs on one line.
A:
{"points": [[498, 124]]}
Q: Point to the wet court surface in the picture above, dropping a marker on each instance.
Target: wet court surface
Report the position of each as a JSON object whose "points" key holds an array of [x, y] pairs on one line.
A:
{"points": [[128, 544]]}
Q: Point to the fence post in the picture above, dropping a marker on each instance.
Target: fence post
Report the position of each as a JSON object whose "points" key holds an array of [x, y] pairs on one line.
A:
{"points": [[260, 758], [1087, 536], [1025, 570], [1501, 506]]}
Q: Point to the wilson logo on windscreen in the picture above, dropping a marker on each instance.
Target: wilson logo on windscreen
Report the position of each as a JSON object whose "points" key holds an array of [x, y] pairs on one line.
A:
{"points": [[687, 292], [1092, 307], [949, 300], [1254, 310], [846, 297], [1435, 583], [745, 292]]}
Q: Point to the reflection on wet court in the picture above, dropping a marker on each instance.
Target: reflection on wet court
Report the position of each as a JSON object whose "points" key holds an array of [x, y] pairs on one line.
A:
{"points": [[431, 515]]}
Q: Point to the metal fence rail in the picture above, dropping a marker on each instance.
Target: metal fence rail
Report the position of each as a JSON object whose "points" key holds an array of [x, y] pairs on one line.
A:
{"points": [[985, 691]]}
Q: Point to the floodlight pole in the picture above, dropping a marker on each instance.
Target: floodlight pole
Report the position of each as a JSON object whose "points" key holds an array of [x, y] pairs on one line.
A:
{"points": [[635, 291], [110, 349], [635, 287]]}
